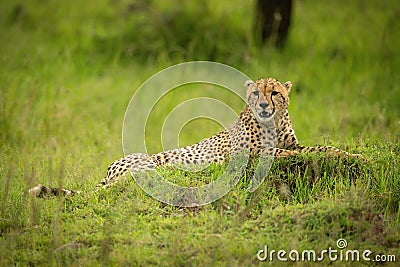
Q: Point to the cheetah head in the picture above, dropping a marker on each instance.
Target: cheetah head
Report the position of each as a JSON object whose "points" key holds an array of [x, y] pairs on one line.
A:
{"points": [[265, 97]]}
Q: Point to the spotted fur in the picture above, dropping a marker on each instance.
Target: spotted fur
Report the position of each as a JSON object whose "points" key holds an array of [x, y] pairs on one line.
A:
{"points": [[263, 127]]}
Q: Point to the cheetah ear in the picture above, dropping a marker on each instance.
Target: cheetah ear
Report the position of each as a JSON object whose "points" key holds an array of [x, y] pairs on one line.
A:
{"points": [[248, 83], [288, 86]]}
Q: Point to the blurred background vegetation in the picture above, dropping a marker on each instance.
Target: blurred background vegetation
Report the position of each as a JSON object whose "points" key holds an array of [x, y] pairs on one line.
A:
{"points": [[343, 61], [68, 70]]}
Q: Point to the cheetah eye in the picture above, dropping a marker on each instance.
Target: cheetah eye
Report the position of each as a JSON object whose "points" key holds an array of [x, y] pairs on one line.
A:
{"points": [[274, 93], [256, 93]]}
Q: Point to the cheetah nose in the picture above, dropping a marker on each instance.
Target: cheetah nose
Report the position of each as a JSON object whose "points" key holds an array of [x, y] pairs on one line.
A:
{"points": [[264, 104]]}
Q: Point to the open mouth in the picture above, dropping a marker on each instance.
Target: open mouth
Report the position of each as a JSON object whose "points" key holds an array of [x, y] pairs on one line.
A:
{"points": [[265, 114]]}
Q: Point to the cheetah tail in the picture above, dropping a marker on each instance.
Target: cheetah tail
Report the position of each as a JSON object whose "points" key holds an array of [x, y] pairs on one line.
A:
{"points": [[42, 191]]}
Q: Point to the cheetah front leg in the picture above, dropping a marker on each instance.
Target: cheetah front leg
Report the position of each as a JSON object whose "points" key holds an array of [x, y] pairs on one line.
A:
{"points": [[330, 150], [281, 153], [278, 152]]}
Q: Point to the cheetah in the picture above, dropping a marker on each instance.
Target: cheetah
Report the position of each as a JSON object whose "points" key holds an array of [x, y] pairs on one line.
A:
{"points": [[263, 128]]}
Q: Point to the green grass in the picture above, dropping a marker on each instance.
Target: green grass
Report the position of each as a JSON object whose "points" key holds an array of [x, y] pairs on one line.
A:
{"points": [[68, 73]]}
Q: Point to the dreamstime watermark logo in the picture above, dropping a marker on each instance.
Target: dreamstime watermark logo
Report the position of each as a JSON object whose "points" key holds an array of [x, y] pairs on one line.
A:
{"points": [[340, 253], [142, 104]]}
